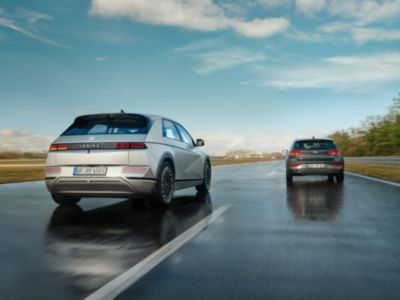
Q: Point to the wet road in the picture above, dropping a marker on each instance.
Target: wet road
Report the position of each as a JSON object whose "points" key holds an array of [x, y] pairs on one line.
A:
{"points": [[313, 239]]}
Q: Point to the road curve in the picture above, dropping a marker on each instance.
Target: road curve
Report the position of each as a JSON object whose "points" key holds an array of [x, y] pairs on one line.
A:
{"points": [[313, 239]]}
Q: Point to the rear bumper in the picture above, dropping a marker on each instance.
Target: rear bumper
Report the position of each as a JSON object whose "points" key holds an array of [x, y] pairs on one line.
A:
{"points": [[100, 186], [304, 169]]}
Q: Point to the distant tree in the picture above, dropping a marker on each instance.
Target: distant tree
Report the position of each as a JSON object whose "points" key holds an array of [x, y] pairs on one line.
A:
{"points": [[378, 135]]}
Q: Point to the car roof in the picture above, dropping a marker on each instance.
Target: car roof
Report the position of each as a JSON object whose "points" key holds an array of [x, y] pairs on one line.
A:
{"points": [[150, 116], [313, 138]]}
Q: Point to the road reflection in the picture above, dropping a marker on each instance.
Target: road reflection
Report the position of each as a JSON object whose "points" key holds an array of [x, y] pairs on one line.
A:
{"points": [[314, 200], [87, 249]]}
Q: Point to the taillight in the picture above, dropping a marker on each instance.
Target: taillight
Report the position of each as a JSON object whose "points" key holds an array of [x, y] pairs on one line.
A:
{"points": [[98, 146], [334, 152], [135, 145], [134, 169], [52, 169], [295, 152], [122, 146], [58, 147], [337, 165]]}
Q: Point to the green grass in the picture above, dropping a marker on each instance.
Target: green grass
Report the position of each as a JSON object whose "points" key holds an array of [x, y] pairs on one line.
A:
{"points": [[21, 161], [390, 173], [20, 174]]}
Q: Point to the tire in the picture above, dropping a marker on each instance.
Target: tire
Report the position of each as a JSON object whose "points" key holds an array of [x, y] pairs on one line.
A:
{"points": [[165, 187], [330, 178], [340, 176], [289, 178], [205, 185], [65, 200]]}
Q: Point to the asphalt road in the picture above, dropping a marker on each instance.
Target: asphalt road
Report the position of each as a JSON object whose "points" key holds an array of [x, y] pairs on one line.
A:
{"points": [[311, 240]]}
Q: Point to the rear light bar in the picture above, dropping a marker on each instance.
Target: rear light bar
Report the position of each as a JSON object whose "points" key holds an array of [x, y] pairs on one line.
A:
{"points": [[52, 170], [334, 152], [295, 152], [134, 169], [337, 165], [98, 146]]}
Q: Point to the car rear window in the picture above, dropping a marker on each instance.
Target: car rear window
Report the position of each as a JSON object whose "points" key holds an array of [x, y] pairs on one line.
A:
{"points": [[314, 145], [109, 124]]}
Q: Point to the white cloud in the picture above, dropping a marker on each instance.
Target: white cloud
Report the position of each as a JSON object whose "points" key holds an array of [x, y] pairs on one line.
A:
{"points": [[225, 59], [202, 15], [340, 73], [310, 7], [259, 28], [337, 26], [31, 18], [299, 35], [198, 45], [362, 35], [275, 3], [23, 140], [34, 16], [365, 12], [266, 141]]}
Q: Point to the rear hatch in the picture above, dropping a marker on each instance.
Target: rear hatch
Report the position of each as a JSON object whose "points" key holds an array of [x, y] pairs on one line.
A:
{"points": [[100, 140], [315, 151]]}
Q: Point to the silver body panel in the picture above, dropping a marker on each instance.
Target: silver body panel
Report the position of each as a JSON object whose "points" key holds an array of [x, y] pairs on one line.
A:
{"points": [[188, 161]]}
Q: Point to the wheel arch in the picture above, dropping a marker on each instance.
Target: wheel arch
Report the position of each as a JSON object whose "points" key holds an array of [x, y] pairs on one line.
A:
{"points": [[167, 156]]}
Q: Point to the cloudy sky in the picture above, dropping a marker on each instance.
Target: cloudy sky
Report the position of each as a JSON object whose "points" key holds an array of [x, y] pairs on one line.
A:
{"points": [[244, 74]]}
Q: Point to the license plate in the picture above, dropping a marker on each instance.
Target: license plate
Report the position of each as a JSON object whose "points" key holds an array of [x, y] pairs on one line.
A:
{"points": [[316, 166], [90, 171]]}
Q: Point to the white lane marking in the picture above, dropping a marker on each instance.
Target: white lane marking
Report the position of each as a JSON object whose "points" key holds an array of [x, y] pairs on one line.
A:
{"points": [[272, 173], [125, 280], [374, 179]]}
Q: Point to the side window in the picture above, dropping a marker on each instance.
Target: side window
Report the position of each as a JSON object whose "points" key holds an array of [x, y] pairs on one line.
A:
{"points": [[185, 135], [170, 131]]}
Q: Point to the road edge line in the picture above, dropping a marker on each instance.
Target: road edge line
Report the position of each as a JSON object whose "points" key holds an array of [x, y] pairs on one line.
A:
{"points": [[119, 284], [374, 179]]}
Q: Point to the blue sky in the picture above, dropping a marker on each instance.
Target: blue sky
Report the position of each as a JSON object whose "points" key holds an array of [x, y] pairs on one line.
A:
{"points": [[241, 74]]}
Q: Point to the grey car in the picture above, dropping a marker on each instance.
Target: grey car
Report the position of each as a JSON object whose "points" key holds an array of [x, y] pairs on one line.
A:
{"points": [[125, 155], [314, 157]]}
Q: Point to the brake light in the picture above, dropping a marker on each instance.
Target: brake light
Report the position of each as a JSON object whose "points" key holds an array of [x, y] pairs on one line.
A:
{"points": [[296, 152], [337, 165], [97, 146], [58, 147], [122, 146], [137, 146], [334, 152], [134, 169], [53, 170]]}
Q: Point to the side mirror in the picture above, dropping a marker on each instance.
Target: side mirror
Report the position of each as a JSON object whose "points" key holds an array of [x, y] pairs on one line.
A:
{"points": [[200, 143]]}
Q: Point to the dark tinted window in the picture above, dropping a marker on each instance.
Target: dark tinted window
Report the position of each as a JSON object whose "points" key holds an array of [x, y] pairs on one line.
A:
{"points": [[109, 124], [314, 145]]}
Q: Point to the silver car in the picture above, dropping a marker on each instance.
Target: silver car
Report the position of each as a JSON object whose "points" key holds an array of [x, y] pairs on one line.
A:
{"points": [[125, 155]]}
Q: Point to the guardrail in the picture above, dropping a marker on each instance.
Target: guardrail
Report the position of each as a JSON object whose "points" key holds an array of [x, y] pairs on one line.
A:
{"points": [[374, 160]]}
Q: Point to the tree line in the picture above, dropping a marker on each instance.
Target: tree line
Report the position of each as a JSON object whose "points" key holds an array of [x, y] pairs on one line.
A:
{"points": [[378, 135]]}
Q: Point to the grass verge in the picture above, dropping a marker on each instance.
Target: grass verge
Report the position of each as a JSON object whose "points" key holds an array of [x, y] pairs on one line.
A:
{"points": [[20, 174], [382, 172], [22, 161]]}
